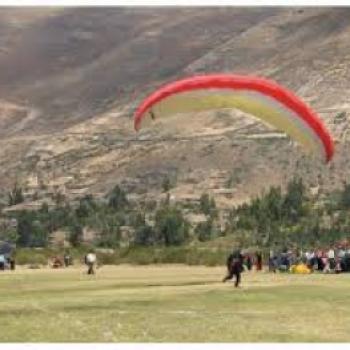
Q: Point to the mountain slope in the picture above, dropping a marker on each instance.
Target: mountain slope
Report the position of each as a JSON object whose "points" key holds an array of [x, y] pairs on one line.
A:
{"points": [[71, 78]]}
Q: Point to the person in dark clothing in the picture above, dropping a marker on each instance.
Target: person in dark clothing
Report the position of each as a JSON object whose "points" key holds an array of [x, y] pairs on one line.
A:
{"points": [[285, 264], [258, 261], [67, 259], [345, 263], [273, 263], [229, 260], [12, 263], [249, 262], [234, 267], [320, 264]]}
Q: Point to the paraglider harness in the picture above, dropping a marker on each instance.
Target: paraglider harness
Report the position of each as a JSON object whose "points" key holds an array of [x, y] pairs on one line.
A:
{"points": [[152, 114], [235, 263]]}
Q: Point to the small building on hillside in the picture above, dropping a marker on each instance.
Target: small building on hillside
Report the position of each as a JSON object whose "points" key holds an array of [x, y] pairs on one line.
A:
{"points": [[33, 205], [59, 238], [224, 192], [185, 198], [195, 219]]}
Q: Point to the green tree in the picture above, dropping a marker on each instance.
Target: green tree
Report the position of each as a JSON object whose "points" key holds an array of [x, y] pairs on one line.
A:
{"points": [[214, 213], [345, 197], [15, 196], [293, 205], [117, 199], [31, 231], [44, 209], [86, 206], [151, 205], [166, 184], [39, 234], [59, 217], [207, 205], [145, 236], [59, 198], [109, 232], [138, 219], [110, 238], [24, 228], [75, 234], [9, 234], [204, 230], [204, 203], [171, 227]]}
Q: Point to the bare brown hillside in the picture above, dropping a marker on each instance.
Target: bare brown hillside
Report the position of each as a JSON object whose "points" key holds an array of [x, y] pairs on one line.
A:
{"points": [[71, 78]]}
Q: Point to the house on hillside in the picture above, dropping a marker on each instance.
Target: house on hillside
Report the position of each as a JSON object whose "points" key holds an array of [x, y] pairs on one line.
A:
{"points": [[59, 238], [185, 198], [218, 179], [195, 219], [135, 199], [224, 192], [34, 205]]}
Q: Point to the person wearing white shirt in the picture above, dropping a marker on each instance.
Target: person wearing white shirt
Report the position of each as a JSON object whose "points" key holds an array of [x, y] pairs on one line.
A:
{"points": [[2, 262], [90, 261], [341, 253], [331, 258], [308, 256]]}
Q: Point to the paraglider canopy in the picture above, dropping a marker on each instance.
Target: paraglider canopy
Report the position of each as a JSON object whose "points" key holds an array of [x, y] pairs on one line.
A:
{"points": [[259, 97]]}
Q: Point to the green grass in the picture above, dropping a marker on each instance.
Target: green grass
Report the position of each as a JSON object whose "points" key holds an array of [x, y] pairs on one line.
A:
{"points": [[171, 304]]}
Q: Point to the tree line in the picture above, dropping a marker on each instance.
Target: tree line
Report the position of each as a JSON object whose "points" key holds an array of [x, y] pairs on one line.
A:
{"points": [[293, 217], [275, 218], [161, 223]]}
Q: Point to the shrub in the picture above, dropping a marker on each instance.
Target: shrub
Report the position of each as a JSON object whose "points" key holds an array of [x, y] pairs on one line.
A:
{"points": [[33, 256]]}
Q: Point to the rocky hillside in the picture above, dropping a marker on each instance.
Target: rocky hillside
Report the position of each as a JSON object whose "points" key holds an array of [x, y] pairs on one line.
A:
{"points": [[71, 78]]}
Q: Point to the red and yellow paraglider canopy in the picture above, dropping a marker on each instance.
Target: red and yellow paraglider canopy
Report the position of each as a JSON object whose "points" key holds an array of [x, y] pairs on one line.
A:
{"points": [[259, 97]]}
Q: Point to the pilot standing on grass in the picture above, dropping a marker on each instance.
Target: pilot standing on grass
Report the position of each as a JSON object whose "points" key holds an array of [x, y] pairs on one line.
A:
{"points": [[234, 267]]}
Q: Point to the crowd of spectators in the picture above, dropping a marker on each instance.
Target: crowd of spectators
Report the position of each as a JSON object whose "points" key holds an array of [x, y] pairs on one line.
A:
{"points": [[334, 259]]}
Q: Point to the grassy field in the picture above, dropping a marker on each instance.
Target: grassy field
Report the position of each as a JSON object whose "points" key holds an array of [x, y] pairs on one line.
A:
{"points": [[171, 304]]}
